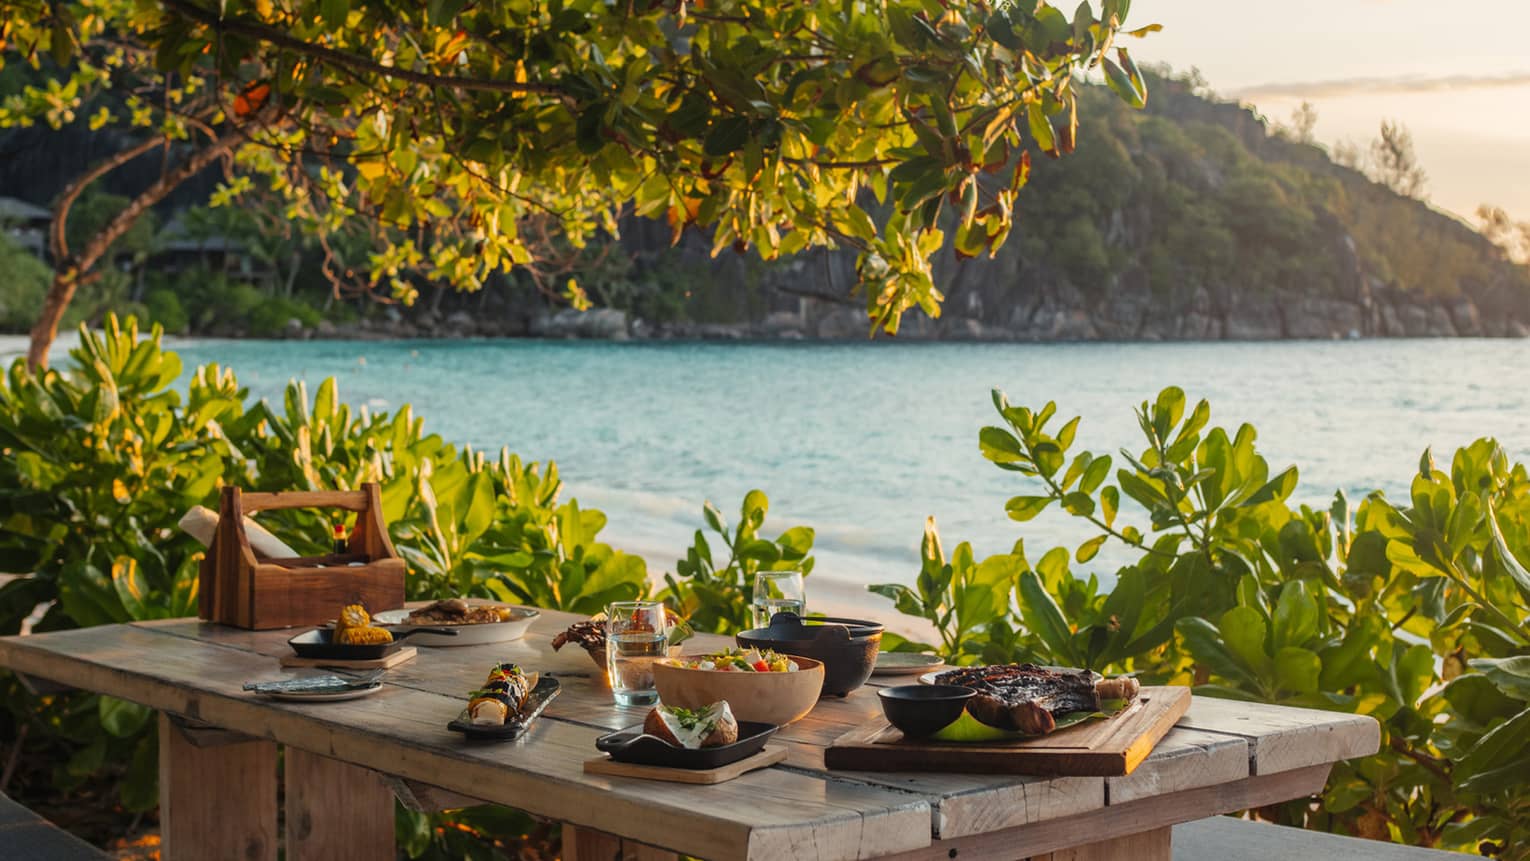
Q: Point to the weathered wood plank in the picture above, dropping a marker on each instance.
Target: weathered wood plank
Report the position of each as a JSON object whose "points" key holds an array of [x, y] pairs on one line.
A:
{"points": [[584, 844], [27, 836], [1281, 738], [199, 734], [349, 500], [1185, 759], [1221, 837], [42, 841], [424, 798], [335, 810], [1122, 820], [216, 802], [1152, 845]]}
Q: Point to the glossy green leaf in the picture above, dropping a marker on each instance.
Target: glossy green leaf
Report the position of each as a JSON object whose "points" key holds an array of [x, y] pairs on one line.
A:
{"points": [[1089, 549], [1023, 508], [1043, 617], [1243, 630], [1297, 670], [1296, 615], [1000, 446], [1511, 675]]}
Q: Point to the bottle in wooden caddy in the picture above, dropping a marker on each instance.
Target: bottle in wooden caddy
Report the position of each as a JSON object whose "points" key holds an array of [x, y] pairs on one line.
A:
{"points": [[243, 588]]}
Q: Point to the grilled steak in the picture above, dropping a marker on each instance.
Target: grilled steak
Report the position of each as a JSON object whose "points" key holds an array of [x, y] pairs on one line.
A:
{"points": [[1026, 698]]}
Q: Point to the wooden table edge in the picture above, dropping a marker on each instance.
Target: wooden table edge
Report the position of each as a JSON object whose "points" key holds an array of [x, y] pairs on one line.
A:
{"points": [[1133, 817]]}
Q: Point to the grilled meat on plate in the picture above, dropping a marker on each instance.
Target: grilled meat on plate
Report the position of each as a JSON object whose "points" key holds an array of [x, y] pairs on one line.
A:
{"points": [[1027, 698]]}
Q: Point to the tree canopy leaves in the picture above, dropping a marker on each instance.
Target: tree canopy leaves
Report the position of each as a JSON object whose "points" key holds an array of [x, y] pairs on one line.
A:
{"points": [[451, 128]]}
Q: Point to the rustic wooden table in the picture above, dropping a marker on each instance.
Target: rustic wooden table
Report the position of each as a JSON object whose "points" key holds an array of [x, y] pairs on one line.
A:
{"points": [[346, 762]]}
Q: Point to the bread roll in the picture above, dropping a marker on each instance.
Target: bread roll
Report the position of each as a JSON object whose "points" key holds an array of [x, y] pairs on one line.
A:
{"points": [[713, 726]]}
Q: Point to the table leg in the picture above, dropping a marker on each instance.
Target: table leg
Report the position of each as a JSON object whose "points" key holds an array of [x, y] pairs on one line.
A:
{"points": [[1147, 846], [216, 801], [336, 811], [587, 844]]}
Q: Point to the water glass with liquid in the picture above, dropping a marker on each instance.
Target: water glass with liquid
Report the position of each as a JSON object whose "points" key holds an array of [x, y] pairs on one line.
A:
{"points": [[777, 592], [636, 637]]}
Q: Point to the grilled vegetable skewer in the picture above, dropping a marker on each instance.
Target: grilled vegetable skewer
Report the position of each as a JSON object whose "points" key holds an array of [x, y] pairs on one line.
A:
{"points": [[502, 696]]}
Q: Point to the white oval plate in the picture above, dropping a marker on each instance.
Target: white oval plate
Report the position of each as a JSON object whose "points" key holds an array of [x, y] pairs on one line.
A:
{"points": [[467, 635], [323, 696], [905, 664]]}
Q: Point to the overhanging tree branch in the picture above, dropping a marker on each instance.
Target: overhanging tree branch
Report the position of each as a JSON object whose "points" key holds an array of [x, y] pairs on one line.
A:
{"points": [[69, 273], [355, 62], [58, 239]]}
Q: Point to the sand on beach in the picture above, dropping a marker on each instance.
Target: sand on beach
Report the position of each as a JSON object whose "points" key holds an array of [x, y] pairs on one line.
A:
{"points": [[15, 346]]}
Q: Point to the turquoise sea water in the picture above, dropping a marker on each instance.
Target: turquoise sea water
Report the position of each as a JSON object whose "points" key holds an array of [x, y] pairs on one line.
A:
{"points": [[863, 441]]}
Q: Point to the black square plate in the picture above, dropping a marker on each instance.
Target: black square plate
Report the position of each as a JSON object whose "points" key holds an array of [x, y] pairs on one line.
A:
{"points": [[541, 695], [637, 747]]}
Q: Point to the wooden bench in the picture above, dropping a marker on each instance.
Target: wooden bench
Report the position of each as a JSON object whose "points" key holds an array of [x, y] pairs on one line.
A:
{"points": [[1224, 837], [25, 836]]}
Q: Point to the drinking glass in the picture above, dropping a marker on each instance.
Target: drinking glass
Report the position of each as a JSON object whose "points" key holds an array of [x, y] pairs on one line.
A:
{"points": [[777, 592], [635, 638]]}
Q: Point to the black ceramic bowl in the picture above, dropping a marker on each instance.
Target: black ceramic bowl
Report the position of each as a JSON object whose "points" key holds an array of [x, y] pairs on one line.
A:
{"points": [[921, 710], [847, 647]]}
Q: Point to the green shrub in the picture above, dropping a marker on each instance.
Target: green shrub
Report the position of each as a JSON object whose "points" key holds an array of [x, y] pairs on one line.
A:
{"points": [[270, 316], [165, 309], [23, 283], [1413, 614], [717, 598]]}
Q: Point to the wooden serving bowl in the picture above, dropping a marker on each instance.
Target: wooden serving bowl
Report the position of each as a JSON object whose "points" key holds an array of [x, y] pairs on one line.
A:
{"points": [[777, 698]]}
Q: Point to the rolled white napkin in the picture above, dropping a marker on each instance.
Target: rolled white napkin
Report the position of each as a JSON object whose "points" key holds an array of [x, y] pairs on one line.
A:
{"points": [[201, 523]]}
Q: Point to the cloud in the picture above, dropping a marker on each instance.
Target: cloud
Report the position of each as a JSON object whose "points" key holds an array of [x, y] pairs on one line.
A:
{"points": [[1369, 86]]}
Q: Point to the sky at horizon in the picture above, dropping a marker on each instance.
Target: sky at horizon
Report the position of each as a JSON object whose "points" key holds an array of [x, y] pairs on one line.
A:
{"points": [[1460, 82]]}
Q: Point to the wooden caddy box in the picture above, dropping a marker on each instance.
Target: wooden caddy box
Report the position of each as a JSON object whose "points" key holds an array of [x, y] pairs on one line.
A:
{"points": [[237, 588]]}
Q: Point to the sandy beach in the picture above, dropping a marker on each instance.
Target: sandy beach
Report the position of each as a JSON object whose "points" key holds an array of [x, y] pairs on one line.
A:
{"points": [[15, 346]]}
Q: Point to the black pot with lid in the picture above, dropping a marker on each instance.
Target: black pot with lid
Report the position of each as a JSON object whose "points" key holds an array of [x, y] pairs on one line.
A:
{"points": [[847, 647]]}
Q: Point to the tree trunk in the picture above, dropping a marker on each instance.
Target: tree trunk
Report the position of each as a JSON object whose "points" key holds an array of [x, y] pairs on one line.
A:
{"points": [[295, 262], [75, 269]]}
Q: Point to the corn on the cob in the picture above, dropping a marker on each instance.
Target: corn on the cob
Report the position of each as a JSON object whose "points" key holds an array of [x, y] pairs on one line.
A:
{"points": [[362, 636], [354, 628], [353, 616]]}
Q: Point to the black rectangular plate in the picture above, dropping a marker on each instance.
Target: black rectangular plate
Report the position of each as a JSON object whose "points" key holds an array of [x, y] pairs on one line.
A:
{"points": [[318, 644], [637, 747], [545, 691]]}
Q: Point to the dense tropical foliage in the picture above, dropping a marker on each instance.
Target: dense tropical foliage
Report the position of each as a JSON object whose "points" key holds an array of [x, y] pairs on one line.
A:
{"points": [[1412, 612], [456, 133]]}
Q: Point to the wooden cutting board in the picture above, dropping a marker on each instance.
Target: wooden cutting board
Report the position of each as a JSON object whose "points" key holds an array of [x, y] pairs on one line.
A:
{"points": [[405, 653], [771, 755], [1108, 747]]}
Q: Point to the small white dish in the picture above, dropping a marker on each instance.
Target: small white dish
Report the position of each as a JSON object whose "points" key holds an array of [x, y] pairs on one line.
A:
{"points": [[467, 635]]}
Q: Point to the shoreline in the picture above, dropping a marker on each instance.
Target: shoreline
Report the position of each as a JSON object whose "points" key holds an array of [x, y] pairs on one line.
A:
{"points": [[14, 346]]}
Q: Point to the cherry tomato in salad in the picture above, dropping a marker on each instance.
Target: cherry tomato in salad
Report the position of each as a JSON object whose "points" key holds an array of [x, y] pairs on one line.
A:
{"points": [[761, 666]]}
